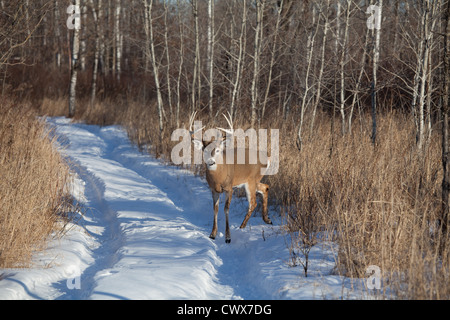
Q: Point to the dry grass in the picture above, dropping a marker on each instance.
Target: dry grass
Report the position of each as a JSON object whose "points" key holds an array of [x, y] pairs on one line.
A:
{"points": [[33, 179], [380, 204]]}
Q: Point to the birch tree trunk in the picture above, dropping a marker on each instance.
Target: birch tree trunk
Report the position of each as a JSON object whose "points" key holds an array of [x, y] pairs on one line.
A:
{"points": [[166, 42], [97, 14], [322, 63], [445, 127], [74, 66], [358, 81], [376, 56], [210, 57], [342, 67], [310, 48], [196, 72], [272, 58], [118, 40], [83, 35], [240, 58], [257, 48], [155, 67], [57, 35], [180, 64]]}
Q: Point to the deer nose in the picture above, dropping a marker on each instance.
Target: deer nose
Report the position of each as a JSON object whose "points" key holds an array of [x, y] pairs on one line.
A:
{"points": [[211, 162]]}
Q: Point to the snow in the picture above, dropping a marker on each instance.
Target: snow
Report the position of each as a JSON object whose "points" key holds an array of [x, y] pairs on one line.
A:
{"points": [[145, 235]]}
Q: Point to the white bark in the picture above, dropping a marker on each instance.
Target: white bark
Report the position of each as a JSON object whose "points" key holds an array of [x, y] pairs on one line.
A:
{"points": [[210, 56], [272, 58], [196, 72], [308, 87], [342, 67], [118, 40], [155, 67], [322, 63], [74, 68], [180, 64], [376, 57], [257, 48], [237, 80], [97, 15], [166, 42]]}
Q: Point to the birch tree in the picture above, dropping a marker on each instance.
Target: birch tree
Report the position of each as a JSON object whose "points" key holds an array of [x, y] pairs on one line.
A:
{"points": [[97, 16], [323, 13], [275, 44], [376, 56], [118, 41], [74, 65], [155, 64], [196, 68], [210, 55], [239, 59], [180, 63], [308, 86], [445, 118], [166, 43], [256, 59], [342, 67]]}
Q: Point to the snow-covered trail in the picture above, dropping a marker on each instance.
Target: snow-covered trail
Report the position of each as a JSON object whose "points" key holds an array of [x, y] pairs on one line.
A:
{"points": [[145, 236]]}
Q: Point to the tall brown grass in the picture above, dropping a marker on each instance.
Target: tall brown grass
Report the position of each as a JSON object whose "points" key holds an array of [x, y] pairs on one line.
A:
{"points": [[33, 184], [380, 203]]}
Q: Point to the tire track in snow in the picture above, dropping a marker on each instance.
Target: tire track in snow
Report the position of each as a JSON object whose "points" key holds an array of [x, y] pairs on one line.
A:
{"points": [[155, 244], [147, 249]]}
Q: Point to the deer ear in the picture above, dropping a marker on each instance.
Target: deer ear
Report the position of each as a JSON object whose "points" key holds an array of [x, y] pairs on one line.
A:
{"points": [[197, 144]]}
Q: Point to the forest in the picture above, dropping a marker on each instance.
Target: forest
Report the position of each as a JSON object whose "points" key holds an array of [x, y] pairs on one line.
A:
{"points": [[358, 89]]}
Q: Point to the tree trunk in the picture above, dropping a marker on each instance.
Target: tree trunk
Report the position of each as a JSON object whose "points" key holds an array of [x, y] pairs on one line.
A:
{"points": [[310, 48], [118, 40], [272, 58], [322, 63], [166, 43], [180, 64], [342, 67], [240, 58], [210, 56], [74, 64], [196, 72], [155, 67], [97, 14], [376, 56], [358, 81], [257, 49], [445, 115]]}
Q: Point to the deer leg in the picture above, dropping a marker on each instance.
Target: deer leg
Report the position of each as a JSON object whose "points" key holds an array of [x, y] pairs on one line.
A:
{"points": [[227, 209], [263, 189], [250, 191], [215, 196]]}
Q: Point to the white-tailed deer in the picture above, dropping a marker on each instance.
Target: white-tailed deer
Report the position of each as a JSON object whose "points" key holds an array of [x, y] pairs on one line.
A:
{"points": [[223, 176]]}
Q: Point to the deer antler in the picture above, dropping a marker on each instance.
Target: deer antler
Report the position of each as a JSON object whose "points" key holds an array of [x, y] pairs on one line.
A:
{"points": [[230, 123], [191, 122]]}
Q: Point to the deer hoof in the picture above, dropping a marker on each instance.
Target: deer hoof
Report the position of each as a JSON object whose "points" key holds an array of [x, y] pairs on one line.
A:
{"points": [[227, 240], [212, 237]]}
